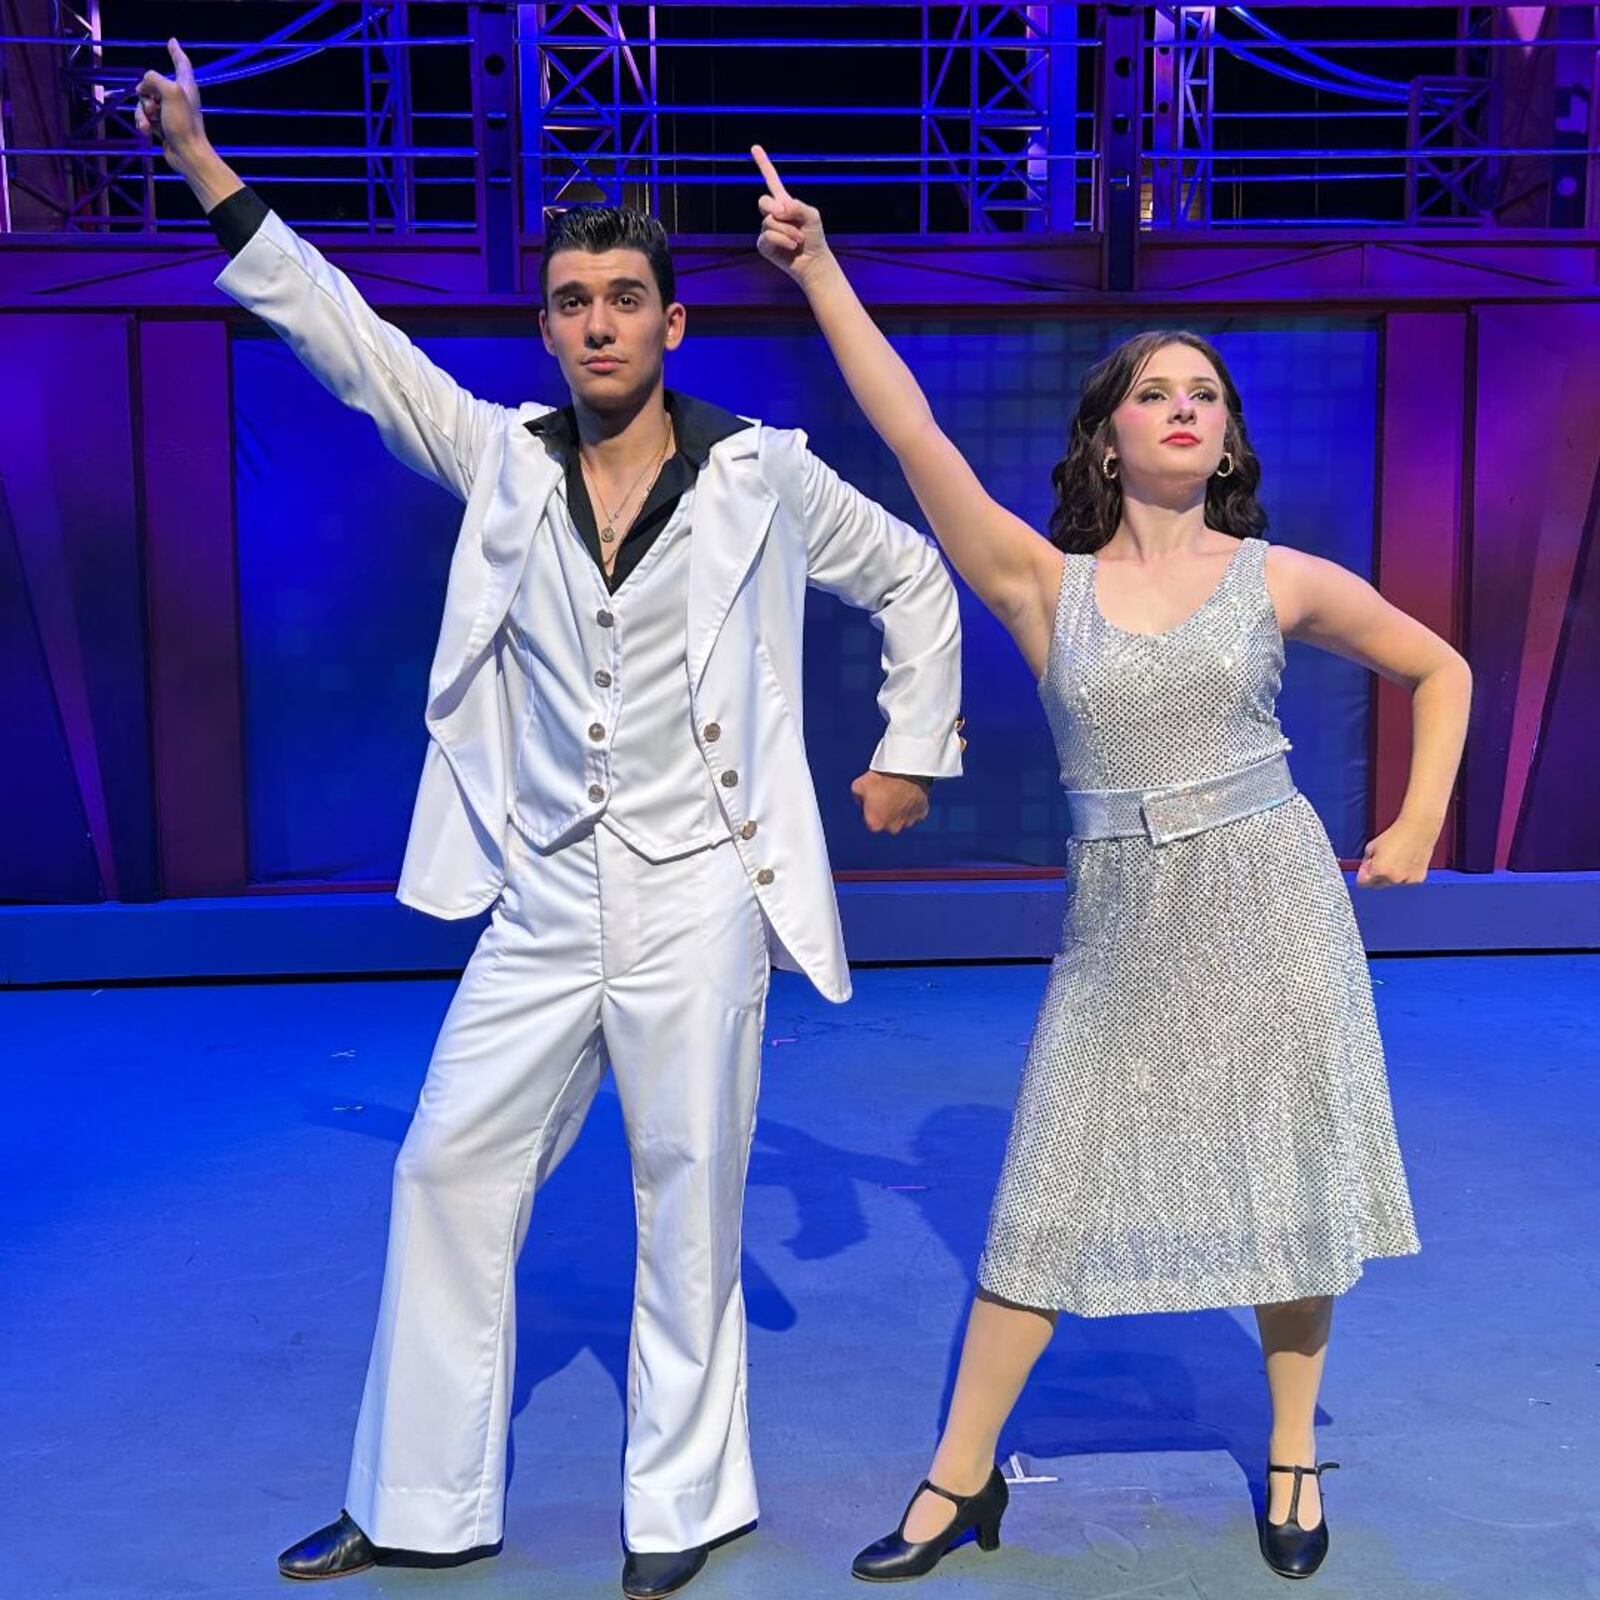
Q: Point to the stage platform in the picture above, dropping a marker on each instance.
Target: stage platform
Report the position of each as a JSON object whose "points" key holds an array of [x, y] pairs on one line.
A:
{"points": [[884, 921], [197, 1183]]}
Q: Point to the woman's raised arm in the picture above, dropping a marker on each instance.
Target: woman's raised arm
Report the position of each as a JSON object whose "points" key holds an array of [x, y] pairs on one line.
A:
{"points": [[1012, 569]]}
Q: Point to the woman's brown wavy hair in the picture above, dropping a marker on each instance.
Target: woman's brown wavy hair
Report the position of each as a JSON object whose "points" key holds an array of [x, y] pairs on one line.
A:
{"points": [[1088, 504]]}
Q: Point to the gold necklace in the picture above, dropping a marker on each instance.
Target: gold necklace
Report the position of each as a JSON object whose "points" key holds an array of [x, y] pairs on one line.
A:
{"points": [[608, 533]]}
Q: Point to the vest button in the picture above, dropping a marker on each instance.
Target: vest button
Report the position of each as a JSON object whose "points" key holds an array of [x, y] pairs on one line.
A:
{"points": [[596, 792], [730, 780], [603, 679], [765, 876], [713, 731], [748, 831], [604, 618], [596, 732]]}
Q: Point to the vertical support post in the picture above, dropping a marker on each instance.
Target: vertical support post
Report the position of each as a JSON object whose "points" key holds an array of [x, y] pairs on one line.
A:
{"points": [[1570, 172], [977, 220], [1059, 111], [532, 88], [38, 95], [386, 104], [654, 194], [374, 82], [1197, 107], [925, 121], [191, 589], [1182, 129], [1121, 78], [1035, 77], [106, 166], [1421, 514], [493, 42], [5, 170], [401, 126], [1592, 169], [1166, 123]]}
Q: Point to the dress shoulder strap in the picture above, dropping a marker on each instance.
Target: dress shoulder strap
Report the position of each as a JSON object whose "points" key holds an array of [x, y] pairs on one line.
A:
{"points": [[1251, 564], [1077, 573]]}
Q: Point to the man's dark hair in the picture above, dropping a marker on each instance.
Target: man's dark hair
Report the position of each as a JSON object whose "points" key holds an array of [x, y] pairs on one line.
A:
{"points": [[600, 228]]}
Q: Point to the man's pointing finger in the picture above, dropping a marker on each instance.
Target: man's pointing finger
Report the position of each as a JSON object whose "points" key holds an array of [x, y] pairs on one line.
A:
{"points": [[183, 66]]}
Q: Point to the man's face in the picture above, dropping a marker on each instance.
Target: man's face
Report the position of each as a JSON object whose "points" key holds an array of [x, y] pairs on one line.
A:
{"points": [[603, 320]]}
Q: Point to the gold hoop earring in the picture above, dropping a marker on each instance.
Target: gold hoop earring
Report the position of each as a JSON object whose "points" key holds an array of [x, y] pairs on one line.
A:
{"points": [[1225, 466], [1107, 462]]}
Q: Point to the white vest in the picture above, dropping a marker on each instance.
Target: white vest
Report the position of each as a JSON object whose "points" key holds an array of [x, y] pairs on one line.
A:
{"points": [[645, 779]]}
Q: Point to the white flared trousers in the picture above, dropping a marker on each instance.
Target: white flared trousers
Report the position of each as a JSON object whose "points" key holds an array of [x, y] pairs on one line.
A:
{"points": [[592, 953]]}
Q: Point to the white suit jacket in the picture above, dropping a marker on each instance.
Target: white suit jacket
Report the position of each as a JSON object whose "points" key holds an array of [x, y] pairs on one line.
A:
{"points": [[769, 518]]}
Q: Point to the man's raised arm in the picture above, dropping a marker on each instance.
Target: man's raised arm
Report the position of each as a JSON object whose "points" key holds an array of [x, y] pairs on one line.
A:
{"points": [[426, 418]]}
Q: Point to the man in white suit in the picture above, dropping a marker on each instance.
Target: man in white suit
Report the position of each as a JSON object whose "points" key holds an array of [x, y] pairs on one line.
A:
{"points": [[616, 766]]}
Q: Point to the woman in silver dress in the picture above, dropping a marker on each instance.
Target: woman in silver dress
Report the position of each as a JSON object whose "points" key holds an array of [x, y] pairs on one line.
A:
{"points": [[1204, 1116]]}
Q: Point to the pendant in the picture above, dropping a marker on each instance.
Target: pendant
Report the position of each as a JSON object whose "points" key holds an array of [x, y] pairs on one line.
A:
{"points": [[607, 534]]}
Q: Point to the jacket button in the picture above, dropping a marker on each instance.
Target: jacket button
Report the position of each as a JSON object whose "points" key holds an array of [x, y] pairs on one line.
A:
{"points": [[748, 831], [713, 732], [603, 679], [730, 780], [604, 618], [765, 876], [596, 792], [596, 732]]}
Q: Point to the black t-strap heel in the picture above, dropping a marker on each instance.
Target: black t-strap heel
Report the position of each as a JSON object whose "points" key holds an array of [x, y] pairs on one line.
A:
{"points": [[894, 1556], [1286, 1547]]}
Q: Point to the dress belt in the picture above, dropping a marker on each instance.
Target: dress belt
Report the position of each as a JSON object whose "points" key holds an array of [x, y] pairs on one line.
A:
{"points": [[1179, 810]]}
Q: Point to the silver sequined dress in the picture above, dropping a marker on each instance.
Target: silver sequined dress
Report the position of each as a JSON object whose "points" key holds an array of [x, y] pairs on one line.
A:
{"points": [[1204, 1116]]}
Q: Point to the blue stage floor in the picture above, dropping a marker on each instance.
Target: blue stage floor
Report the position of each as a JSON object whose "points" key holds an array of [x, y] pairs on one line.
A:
{"points": [[196, 1184]]}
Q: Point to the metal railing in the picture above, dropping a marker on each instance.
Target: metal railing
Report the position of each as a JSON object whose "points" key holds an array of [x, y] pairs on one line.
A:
{"points": [[412, 117]]}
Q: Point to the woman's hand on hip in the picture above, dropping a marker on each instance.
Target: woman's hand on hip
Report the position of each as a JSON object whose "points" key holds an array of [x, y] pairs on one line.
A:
{"points": [[1398, 855]]}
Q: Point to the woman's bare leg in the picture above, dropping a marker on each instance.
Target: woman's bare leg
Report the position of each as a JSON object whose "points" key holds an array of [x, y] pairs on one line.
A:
{"points": [[1002, 1344], [1294, 1340]]}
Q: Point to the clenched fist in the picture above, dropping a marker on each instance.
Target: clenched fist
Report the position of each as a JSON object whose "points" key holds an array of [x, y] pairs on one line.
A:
{"points": [[1398, 855], [889, 802]]}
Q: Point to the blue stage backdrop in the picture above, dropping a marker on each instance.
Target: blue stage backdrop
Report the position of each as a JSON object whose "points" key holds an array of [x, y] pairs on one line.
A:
{"points": [[343, 555]]}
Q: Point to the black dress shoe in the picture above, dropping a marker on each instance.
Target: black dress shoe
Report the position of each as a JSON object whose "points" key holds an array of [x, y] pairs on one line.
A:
{"points": [[1290, 1550], [894, 1556], [647, 1575], [332, 1552]]}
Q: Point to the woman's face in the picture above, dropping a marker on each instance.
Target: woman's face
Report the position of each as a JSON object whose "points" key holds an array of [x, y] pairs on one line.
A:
{"points": [[1171, 427]]}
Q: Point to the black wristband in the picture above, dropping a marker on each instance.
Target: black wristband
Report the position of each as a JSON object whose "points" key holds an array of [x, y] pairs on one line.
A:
{"points": [[235, 220]]}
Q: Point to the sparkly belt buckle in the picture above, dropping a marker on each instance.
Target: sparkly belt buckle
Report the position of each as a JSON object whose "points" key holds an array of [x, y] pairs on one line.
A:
{"points": [[1188, 809], [1191, 808], [1167, 814]]}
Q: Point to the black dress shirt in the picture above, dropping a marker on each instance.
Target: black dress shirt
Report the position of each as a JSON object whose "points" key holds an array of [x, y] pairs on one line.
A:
{"points": [[696, 426]]}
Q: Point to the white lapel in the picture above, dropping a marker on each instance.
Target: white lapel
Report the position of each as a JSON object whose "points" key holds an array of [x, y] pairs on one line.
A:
{"points": [[733, 508], [490, 555], [528, 477]]}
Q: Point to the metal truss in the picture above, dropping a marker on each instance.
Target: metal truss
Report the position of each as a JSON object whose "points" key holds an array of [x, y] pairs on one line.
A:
{"points": [[986, 112], [1182, 124], [387, 104], [1445, 164], [103, 176], [591, 124], [593, 120], [99, 183]]}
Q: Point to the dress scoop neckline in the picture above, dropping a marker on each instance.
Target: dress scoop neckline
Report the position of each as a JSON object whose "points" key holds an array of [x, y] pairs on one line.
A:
{"points": [[1183, 622]]}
